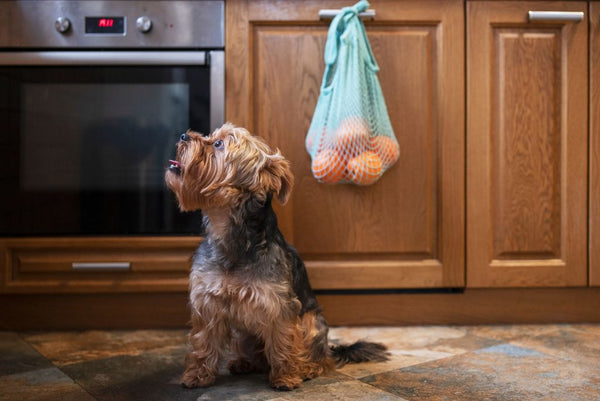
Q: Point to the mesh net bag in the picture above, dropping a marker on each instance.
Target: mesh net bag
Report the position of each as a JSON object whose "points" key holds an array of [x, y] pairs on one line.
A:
{"points": [[350, 139]]}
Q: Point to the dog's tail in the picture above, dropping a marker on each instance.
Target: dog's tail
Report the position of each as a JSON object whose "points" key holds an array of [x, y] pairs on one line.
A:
{"points": [[360, 351]]}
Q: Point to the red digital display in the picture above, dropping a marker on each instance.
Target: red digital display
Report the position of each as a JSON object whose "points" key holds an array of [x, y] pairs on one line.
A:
{"points": [[110, 25], [105, 22]]}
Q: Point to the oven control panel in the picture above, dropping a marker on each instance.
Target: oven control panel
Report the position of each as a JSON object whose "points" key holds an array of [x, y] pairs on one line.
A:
{"points": [[105, 25], [127, 24]]}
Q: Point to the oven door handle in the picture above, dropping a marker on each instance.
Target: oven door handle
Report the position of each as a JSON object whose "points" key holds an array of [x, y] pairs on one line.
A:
{"points": [[104, 58], [217, 88]]}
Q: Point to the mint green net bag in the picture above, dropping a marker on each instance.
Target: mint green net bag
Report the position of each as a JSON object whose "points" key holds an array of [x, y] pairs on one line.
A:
{"points": [[350, 139]]}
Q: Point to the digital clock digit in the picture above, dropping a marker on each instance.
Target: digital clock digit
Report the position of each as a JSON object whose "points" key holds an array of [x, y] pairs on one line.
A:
{"points": [[106, 22], [108, 25]]}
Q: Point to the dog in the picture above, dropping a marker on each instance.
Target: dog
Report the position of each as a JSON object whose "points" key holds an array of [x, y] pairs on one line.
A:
{"points": [[249, 291]]}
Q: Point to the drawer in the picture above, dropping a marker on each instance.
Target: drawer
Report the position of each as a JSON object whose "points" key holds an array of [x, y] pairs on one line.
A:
{"points": [[83, 265]]}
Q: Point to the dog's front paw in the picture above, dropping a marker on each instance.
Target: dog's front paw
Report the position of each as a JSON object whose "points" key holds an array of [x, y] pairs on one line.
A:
{"points": [[193, 378], [286, 383]]}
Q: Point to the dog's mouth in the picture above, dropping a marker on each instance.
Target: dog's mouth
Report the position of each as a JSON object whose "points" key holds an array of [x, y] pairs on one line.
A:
{"points": [[175, 166]]}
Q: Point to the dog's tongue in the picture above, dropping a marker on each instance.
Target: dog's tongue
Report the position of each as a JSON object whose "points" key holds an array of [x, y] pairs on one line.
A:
{"points": [[175, 163]]}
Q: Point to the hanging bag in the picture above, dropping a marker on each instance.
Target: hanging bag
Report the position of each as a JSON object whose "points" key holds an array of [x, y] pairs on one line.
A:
{"points": [[350, 139]]}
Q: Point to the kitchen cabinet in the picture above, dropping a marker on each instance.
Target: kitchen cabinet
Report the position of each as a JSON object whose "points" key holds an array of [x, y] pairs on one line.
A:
{"points": [[80, 265], [497, 118], [527, 131], [407, 230], [594, 244]]}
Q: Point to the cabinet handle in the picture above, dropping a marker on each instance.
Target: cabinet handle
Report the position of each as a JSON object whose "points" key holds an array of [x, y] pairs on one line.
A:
{"points": [[330, 14], [566, 16], [101, 267]]}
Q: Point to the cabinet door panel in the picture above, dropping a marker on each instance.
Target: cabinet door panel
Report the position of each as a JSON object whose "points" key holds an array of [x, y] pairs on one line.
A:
{"points": [[595, 143], [407, 230], [526, 146]]}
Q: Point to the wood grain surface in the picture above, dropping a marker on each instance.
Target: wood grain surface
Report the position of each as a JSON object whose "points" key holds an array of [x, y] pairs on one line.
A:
{"points": [[594, 204], [412, 220], [135, 311], [526, 146], [45, 265]]}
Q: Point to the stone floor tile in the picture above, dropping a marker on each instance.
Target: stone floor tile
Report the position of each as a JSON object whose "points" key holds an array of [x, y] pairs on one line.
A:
{"points": [[398, 359], [255, 387], [451, 340], [346, 391], [152, 376], [63, 348], [576, 344], [507, 333], [553, 362], [397, 337], [593, 329], [17, 356], [251, 387], [500, 372], [148, 377], [409, 345], [49, 384]]}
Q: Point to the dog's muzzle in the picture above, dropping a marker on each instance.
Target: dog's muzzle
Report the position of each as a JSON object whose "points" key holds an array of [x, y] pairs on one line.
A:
{"points": [[175, 167]]}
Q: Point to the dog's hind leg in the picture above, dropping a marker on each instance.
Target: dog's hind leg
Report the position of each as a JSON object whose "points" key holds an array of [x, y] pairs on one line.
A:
{"points": [[315, 329]]}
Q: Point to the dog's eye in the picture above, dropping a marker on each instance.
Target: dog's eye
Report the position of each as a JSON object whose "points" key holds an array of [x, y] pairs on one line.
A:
{"points": [[185, 137], [219, 144]]}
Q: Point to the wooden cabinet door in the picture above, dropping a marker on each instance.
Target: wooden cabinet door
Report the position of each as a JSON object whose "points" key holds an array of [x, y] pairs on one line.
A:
{"points": [[407, 230], [595, 143], [526, 146]]}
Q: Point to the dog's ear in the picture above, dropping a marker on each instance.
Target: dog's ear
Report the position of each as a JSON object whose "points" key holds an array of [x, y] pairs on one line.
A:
{"points": [[278, 177]]}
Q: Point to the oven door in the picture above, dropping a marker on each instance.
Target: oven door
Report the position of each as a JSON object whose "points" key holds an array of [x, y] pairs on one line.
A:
{"points": [[85, 138]]}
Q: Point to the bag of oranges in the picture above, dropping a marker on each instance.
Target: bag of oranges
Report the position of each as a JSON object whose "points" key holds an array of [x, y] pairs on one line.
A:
{"points": [[350, 139]]}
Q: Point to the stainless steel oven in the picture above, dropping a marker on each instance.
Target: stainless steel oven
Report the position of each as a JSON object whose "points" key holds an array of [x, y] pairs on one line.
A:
{"points": [[93, 96]]}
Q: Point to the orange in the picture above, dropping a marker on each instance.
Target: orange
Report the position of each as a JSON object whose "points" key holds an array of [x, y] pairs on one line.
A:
{"points": [[386, 148], [328, 166], [365, 168], [352, 136]]}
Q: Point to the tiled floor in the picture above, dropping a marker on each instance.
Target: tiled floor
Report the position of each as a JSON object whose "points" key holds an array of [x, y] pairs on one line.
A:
{"points": [[560, 362]]}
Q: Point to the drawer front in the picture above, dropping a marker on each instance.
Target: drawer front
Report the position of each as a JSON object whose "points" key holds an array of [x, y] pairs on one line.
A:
{"points": [[71, 265]]}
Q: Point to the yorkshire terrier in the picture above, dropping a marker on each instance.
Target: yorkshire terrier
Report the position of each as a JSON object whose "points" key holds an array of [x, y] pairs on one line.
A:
{"points": [[249, 290]]}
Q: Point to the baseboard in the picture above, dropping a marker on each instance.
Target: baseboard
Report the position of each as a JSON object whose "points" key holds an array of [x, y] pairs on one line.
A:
{"points": [[170, 310], [485, 306]]}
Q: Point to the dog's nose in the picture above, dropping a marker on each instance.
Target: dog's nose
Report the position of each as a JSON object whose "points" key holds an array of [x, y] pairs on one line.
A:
{"points": [[185, 137]]}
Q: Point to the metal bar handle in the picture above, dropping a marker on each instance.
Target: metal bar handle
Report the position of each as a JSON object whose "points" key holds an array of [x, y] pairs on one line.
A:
{"points": [[103, 58], [566, 16], [217, 88], [330, 14], [101, 266]]}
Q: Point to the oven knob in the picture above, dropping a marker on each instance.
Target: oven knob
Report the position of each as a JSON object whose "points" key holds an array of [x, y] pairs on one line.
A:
{"points": [[143, 24], [62, 24]]}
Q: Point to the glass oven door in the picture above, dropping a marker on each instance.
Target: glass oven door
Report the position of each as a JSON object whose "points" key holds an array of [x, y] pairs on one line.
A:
{"points": [[85, 138]]}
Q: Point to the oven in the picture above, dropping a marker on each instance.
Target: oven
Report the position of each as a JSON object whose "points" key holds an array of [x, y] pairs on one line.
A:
{"points": [[93, 97]]}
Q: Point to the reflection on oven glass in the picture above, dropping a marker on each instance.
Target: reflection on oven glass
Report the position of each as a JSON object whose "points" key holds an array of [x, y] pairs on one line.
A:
{"points": [[104, 137], [86, 147]]}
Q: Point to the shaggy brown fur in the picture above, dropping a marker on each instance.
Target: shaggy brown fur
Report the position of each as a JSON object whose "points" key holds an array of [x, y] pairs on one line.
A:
{"points": [[249, 291]]}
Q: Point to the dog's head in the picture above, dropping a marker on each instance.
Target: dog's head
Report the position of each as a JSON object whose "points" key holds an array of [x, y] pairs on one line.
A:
{"points": [[223, 168]]}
